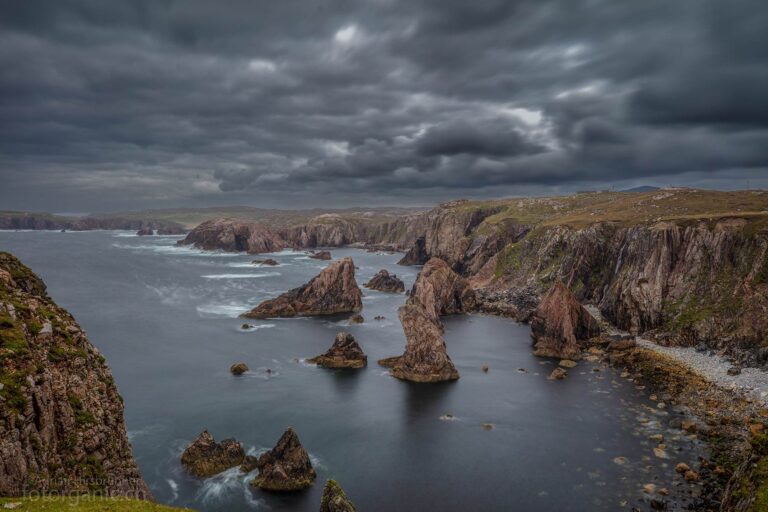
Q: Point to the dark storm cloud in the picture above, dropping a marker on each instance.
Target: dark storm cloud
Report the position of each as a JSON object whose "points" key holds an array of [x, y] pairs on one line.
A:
{"points": [[107, 105]]}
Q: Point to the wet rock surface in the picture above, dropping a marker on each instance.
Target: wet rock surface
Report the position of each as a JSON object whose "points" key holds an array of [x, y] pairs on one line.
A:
{"points": [[332, 291], [205, 457], [383, 281], [286, 467], [344, 353]]}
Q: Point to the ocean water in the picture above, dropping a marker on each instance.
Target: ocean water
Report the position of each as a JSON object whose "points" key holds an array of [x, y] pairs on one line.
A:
{"points": [[166, 318]]}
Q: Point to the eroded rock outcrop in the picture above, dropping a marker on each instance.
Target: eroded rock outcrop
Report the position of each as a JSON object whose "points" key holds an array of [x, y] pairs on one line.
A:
{"points": [[383, 281], [205, 457], [344, 353], [441, 290], [286, 467], [61, 416], [332, 291], [559, 323], [321, 255], [334, 499], [234, 236]]}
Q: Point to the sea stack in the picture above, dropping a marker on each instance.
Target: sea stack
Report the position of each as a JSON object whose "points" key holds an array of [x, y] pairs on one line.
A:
{"points": [[383, 281], [286, 467], [559, 323], [441, 290], [205, 457], [321, 255], [234, 236], [332, 291], [344, 353], [334, 499]]}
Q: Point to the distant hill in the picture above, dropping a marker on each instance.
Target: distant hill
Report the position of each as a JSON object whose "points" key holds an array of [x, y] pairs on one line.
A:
{"points": [[641, 188]]}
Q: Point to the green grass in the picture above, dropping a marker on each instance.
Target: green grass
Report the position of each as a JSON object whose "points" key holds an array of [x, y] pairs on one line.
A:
{"points": [[87, 503]]}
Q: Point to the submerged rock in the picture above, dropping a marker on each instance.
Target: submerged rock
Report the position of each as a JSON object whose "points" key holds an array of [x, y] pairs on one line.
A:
{"points": [[286, 467], [334, 499], [332, 291], [205, 457], [238, 368], [383, 281], [344, 353], [558, 374], [356, 319], [268, 261], [559, 323], [321, 255]]}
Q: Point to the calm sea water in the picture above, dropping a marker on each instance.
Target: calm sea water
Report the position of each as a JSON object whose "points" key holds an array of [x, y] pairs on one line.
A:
{"points": [[166, 319]]}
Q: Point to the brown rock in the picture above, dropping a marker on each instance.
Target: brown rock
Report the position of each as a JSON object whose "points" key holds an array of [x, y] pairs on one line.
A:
{"points": [[344, 353], [383, 281], [682, 468], [332, 291], [558, 374], [268, 261], [559, 323], [238, 368], [356, 319], [321, 255], [334, 499], [441, 290], [286, 467], [234, 235], [205, 457]]}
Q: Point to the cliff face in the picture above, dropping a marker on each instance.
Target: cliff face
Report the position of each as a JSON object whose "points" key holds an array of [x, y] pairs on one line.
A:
{"points": [[233, 236], [441, 290], [61, 417], [38, 221], [324, 231]]}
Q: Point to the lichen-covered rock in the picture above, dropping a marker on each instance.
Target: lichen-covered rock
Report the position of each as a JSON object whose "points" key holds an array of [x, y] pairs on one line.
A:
{"points": [[334, 499], [332, 291], [234, 236], [559, 323], [61, 416], [441, 290], [344, 353], [321, 255], [286, 467], [205, 457], [383, 281]]}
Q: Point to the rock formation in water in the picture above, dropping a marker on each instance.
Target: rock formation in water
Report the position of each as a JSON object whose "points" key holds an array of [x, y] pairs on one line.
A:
{"points": [[233, 236], [269, 261], [383, 281], [332, 291], [61, 417], [334, 499], [286, 467], [145, 231], [559, 323], [321, 255], [416, 255], [441, 290], [344, 353], [238, 368], [205, 457]]}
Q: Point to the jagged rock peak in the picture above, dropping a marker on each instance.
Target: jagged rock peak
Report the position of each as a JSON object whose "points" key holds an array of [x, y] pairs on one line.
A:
{"points": [[441, 290], [61, 416], [205, 457], [559, 323], [344, 353], [383, 281], [334, 290], [334, 499], [286, 467], [234, 236]]}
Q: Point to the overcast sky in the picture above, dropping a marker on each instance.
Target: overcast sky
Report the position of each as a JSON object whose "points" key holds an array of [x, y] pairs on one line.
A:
{"points": [[110, 105]]}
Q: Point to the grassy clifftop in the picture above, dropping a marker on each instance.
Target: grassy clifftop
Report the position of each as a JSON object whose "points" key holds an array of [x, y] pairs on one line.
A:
{"points": [[86, 503]]}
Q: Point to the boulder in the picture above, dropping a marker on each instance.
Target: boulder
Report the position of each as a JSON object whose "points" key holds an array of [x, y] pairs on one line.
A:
{"points": [[332, 291], [205, 457], [286, 467], [238, 368], [334, 499], [356, 319], [268, 261], [321, 255], [344, 353], [559, 323], [383, 281], [441, 290]]}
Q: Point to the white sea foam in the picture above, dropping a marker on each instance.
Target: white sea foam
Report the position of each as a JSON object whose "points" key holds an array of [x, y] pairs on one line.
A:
{"points": [[174, 488], [175, 250], [241, 276], [256, 327], [228, 310]]}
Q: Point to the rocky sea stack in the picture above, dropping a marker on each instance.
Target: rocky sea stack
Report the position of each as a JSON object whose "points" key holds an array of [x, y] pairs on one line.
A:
{"points": [[234, 236], [441, 290], [334, 499], [286, 467], [205, 457], [559, 323], [332, 291], [383, 281], [61, 417], [321, 255], [344, 353]]}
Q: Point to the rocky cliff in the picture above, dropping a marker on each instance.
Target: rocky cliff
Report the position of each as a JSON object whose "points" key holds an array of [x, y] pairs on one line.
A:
{"points": [[234, 236], [334, 290], [40, 221], [61, 417], [441, 290]]}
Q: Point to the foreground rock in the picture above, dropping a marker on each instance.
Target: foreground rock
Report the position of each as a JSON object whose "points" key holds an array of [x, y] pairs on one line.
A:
{"points": [[321, 255], [61, 416], [332, 291], [344, 353], [234, 236], [425, 358], [205, 457], [383, 281], [286, 467], [559, 323], [441, 290], [334, 499]]}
